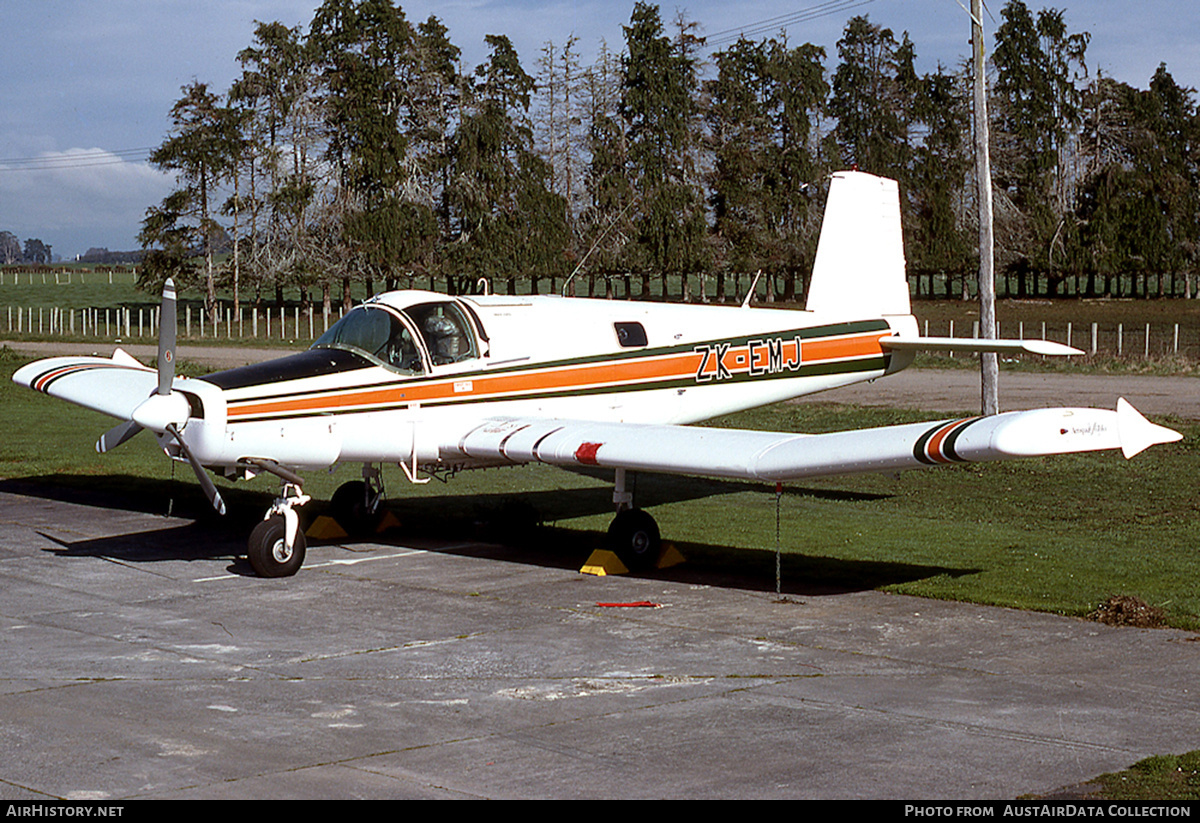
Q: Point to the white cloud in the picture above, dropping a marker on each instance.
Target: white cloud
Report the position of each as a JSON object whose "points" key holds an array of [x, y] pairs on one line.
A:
{"points": [[79, 198]]}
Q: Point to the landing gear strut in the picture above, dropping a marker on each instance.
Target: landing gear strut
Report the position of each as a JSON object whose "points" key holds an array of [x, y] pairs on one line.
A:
{"points": [[276, 546], [633, 535]]}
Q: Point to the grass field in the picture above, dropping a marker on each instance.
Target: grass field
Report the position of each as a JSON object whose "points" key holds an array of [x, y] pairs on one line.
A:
{"points": [[1053, 534]]}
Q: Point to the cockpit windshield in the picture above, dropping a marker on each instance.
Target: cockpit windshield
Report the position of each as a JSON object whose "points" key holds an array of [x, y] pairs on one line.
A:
{"points": [[377, 333]]}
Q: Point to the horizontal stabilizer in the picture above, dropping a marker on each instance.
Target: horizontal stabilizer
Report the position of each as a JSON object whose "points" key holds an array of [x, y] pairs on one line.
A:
{"points": [[970, 345]]}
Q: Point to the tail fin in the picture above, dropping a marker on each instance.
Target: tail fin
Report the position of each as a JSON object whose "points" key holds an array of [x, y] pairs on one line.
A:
{"points": [[859, 269]]}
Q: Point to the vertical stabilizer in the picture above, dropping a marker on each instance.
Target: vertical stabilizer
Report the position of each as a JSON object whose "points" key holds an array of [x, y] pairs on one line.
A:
{"points": [[859, 270]]}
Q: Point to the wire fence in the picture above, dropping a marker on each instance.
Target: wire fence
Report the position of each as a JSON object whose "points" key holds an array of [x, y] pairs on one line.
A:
{"points": [[1146, 341], [124, 323], [1133, 341]]}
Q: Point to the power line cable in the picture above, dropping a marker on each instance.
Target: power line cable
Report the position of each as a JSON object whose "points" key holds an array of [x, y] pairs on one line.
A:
{"points": [[783, 21], [74, 160]]}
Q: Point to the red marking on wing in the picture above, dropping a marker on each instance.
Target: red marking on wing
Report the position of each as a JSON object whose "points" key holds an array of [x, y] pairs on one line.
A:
{"points": [[586, 453]]}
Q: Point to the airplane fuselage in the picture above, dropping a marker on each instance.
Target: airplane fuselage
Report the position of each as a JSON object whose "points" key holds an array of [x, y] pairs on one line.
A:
{"points": [[547, 357]]}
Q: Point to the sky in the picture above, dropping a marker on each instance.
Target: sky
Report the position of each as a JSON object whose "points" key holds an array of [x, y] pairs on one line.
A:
{"points": [[86, 87]]}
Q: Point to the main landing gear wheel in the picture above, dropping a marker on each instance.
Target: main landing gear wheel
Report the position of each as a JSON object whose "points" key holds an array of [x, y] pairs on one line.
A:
{"points": [[634, 538], [268, 552], [350, 508]]}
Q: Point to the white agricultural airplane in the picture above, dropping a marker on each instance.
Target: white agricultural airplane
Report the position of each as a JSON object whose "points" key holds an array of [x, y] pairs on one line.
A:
{"points": [[439, 384]]}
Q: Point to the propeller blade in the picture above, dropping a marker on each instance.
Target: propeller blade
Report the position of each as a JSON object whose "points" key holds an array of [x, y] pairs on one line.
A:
{"points": [[117, 435], [166, 339], [206, 483]]}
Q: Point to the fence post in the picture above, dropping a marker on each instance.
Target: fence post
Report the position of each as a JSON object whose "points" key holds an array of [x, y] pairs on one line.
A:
{"points": [[1146, 356], [1120, 339], [1095, 335]]}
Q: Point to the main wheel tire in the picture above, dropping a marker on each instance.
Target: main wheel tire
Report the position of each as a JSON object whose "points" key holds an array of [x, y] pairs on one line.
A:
{"points": [[349, 508], [634, 538], [268, 552]]}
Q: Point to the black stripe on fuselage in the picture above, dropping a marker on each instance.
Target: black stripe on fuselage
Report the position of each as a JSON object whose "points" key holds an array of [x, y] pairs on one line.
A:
{"points": [[311, 363], [332, 361], [840, 367]]}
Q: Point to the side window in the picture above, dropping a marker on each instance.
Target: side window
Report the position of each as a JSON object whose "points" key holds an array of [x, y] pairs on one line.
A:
{"points": [[446, 332], [377, 333], [630, 335]]}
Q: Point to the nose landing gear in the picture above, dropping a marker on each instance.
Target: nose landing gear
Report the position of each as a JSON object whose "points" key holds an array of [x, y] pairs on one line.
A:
{"points": [[277, 545]]}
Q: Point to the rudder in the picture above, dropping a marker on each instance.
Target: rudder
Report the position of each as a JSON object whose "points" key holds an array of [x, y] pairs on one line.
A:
{"points": [[859, 269]]}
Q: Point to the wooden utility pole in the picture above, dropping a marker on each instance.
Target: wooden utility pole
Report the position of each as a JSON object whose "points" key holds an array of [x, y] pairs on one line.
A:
{"points": [[988, 364]]}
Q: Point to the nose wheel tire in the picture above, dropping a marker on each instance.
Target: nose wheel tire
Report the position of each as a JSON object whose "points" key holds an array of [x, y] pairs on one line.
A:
{"points": [[268, 551], [634, 538]]}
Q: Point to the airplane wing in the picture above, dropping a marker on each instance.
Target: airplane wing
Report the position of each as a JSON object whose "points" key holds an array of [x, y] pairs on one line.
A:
{"points": [[779, 456], [115, 386]]}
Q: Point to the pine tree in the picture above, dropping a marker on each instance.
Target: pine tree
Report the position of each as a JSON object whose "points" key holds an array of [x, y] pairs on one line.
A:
{"points": [[510, 225], [658, 106], [365, 50], [203, 147], [872, 97], [1038, 117], [761, 109]]}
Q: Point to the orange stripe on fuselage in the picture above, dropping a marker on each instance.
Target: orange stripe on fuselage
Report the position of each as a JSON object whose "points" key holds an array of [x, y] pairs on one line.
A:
{"points": [[862, 345], [624, 372], [643, 370]]}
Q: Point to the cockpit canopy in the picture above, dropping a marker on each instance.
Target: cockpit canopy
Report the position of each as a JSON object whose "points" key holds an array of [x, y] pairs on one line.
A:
{"points": [[435, 333]]}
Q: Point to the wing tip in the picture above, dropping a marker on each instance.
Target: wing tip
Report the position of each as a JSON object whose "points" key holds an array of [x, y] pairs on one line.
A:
{"points": [[1137, 434]]}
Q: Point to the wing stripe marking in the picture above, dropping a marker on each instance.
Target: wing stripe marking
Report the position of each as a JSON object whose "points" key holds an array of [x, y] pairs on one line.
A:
{"points": [[937, 444]]}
